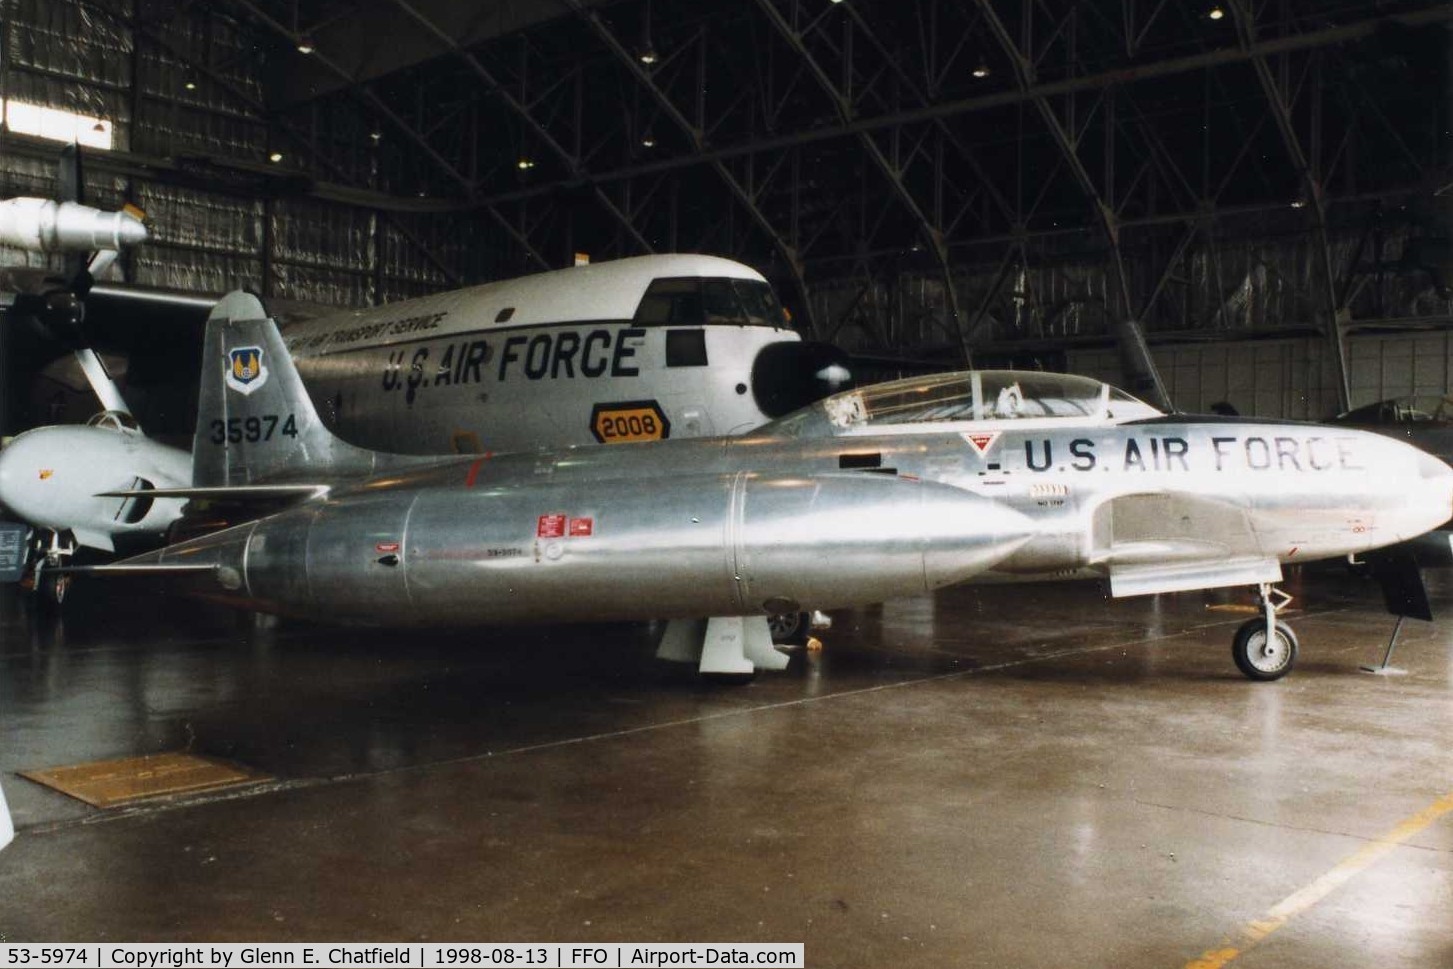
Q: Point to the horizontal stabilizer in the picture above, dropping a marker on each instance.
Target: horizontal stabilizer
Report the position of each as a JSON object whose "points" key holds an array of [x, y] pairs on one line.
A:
{"points": [[1139, 580], [227, 492]]}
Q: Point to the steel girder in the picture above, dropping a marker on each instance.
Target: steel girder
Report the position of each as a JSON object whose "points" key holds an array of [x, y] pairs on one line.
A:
{"points": [[1246, 31], [418, 138], [1119, 147]]}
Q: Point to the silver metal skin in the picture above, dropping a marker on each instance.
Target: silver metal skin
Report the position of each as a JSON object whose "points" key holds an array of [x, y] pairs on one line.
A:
{"points": [[42, 225], [50, 476], [891, 490], [513, 364]]}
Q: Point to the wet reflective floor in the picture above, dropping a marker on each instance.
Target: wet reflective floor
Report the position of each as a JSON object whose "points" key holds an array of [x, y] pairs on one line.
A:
{"points": [[1027, 776]]}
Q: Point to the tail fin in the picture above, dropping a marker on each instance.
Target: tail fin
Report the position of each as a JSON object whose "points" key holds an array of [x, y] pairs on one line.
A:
{"points": [[255, 421]]}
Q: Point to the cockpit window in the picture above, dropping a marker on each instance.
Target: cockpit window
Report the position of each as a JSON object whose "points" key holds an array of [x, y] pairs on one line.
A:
{"points": [[1413, 409], [759, 302], [987, 395], [721, 301], [695, 302]]}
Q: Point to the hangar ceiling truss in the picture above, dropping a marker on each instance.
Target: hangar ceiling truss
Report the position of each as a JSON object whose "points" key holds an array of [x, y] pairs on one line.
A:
{"points": [[924, 177]]}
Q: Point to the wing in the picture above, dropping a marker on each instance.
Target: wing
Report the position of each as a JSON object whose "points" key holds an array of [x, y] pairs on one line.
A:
{"points": [[1171, 542], [227, 493]]}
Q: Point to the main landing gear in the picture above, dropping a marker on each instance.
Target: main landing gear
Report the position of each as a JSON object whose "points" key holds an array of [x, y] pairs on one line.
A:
{"points": [[1266, 648], [50, 585]]}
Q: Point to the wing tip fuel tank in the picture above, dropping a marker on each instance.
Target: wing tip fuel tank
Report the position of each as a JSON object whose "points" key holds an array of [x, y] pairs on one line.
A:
{"points": [[728, 544]]}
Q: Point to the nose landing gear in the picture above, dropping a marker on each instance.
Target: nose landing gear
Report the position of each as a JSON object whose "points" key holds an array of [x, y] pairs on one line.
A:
{"points": [[1266, 649]]}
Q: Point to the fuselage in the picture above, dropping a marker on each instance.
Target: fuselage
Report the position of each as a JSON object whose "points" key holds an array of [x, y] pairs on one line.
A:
{"points": [[829, 507], [50, 477], [647, 348]]}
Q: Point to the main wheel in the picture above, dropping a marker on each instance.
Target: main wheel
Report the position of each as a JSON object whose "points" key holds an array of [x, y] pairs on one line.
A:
{"points": [[789, 628], [1260, 660]]}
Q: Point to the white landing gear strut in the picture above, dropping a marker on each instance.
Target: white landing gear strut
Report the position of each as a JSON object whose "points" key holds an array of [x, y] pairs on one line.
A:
{"points": [[51, 584], [1266, 648], [735, 646]]}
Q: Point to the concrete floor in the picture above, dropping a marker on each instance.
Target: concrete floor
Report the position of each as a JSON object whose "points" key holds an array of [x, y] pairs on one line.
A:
{"points": [[993, 777]]}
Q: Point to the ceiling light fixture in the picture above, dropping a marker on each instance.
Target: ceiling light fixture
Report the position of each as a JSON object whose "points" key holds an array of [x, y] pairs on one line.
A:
{"points": [[275, 157], [982, 70], [306, 45], [525, 164], [648, 56], [1216, 13], [648, 141]]}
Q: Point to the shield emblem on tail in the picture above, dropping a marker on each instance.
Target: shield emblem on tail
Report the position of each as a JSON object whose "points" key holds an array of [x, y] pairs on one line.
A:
{"points": [[245, 369]]}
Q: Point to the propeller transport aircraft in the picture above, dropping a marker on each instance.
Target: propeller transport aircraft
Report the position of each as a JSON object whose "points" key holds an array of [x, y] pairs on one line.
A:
{"points": [[49, 475], [640, 349], [891, 490]]}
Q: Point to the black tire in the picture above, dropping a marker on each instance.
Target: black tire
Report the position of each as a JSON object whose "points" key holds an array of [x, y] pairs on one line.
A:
{"points": [[51, 589], [1252, 657], [789, 628]]}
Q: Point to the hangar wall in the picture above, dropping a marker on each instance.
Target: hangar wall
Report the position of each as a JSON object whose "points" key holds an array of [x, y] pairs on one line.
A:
{"points": [[182, 99], [1289, 378]]}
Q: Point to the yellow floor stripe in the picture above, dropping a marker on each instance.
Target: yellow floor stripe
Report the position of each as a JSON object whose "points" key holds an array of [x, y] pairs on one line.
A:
{"points": [[1298, 902]]}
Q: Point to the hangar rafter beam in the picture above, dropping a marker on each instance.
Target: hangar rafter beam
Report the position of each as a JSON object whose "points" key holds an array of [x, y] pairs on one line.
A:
{"points": [[704, 154], [142, 28], [1312, 185], [1024, 77], [573, 165], [696, 139], [408, 130], [842, 104]]}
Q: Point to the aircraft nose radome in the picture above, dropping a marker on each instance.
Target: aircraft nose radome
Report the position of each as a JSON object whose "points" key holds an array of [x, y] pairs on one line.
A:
{"points": [[11, 478], [1437, 478]]}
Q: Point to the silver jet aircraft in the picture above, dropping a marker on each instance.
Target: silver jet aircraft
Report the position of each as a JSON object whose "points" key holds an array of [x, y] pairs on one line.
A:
{"points": [[892, 490]]}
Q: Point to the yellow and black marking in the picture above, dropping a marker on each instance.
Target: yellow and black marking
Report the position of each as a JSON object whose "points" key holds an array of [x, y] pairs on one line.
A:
{"points": [[114, 783], [629, 422]]}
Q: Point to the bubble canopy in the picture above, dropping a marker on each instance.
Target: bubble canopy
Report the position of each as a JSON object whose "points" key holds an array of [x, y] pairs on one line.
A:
{"points": [[977, 397]]}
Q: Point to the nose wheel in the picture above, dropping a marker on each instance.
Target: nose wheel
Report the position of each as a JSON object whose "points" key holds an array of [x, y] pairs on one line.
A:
{"points": [[1266, 649]]}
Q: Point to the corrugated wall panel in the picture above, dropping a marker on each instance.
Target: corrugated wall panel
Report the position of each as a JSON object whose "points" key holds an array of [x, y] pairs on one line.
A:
{"points": [[1290, 378]]}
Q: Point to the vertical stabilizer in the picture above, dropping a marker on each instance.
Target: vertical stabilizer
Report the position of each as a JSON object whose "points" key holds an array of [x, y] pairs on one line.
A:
{"points": [[255, 421]]}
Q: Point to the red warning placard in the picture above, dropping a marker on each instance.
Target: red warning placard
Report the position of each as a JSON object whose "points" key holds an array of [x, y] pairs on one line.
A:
{"points": [[982, 441], [551, 526], [582, 527]]}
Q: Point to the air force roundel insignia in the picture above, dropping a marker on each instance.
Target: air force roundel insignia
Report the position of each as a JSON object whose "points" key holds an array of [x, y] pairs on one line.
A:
{"points": [[245, 370]]}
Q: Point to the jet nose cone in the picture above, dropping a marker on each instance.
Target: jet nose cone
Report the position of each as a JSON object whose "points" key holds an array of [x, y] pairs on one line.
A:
{"points": [[130, 231], [1437, 482], [11, 496]]}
